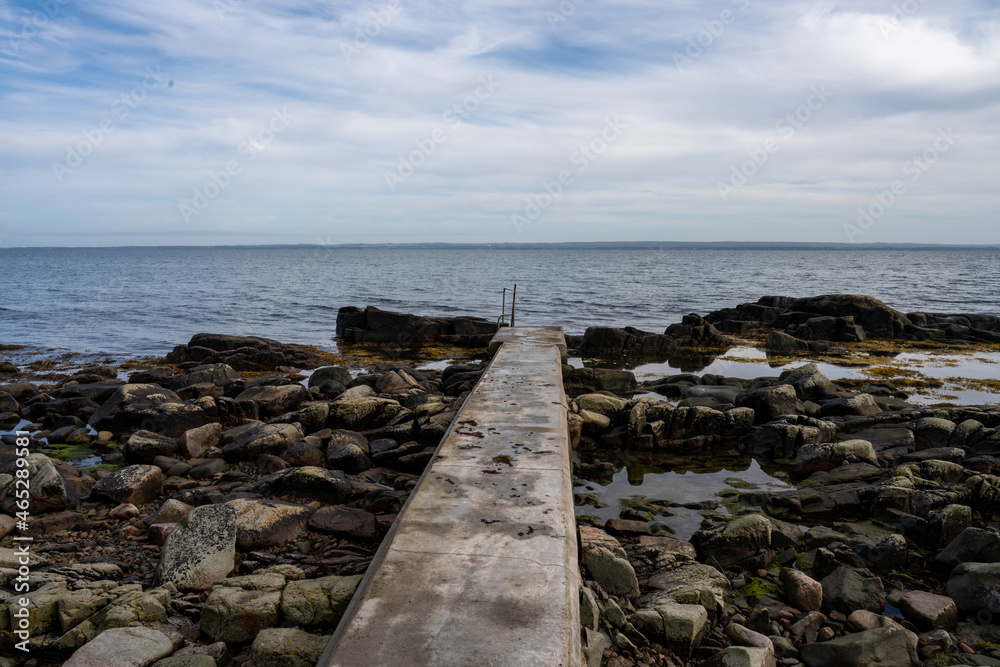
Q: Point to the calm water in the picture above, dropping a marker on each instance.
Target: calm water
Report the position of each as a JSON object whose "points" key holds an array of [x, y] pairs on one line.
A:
{"points": [[138, 301]]}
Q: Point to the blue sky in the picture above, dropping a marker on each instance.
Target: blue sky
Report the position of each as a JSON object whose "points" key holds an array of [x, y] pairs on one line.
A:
{"points": [[259, 121]]}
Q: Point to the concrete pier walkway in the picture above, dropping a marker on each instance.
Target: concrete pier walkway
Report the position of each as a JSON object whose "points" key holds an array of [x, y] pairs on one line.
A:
{"points": [[481, 566]]}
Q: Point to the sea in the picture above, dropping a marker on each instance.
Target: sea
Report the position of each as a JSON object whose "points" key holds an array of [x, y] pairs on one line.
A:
{"points": [[139, 301]]}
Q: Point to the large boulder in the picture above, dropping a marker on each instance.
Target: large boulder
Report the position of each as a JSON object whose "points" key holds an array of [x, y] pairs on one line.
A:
{"points": [[266, 523], [287, 647], [889, 646], [135, 484], [744, 542], [808, 382], [262, 439], [272, 401], [217, 374], [364, 413], [195, 442], [130, 394], [680, 626], [335, 373], [237, 609], [971, 545], [770, 402], [49, 490], [607, 562], [201, 550], [975, 586], [328, 486], [144, 446], [318, 602], [846, 590], [123, 647], [829, 455]]}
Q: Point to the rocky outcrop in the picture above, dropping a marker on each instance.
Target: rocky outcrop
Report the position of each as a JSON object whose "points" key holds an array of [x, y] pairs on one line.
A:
{"points": [[403, 330], [693, 332], [241, 353]]}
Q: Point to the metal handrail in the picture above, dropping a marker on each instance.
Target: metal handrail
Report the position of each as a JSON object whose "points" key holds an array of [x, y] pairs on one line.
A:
{"points": [[503, 307]]}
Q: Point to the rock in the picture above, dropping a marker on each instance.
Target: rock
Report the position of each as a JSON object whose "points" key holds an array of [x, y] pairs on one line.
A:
{"points": [[862, 404], [846, 590], [303, 453], [126, 395], [802, 591], [744, 636], [362, 414], [195, 442], [932, 433], [217, 374], [589, 380], [136, 484], [741, 656], [808, 382], [345, 522], [972, 544], [891, 646], [287, 647], [594, 423], [335, 373], [743, 542], [602, 404], [123, 647], [194, 660], [680, 626], [202, 548], [975, 586], [273, 401], [829, 455], [144, 446], [782, 437], [348, 455], [928, 611], [262, 439], [49, 490], [237, 609], [266, 523], [607, 562], [208, 469], [318, 602], [328, 486], [594, 646], [688, 582], [770, 402], [124, 511], [159, 532], [590, 613], [782, 343]]}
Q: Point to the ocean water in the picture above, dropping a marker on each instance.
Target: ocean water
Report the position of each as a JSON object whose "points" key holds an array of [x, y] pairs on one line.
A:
{"points": [[143, 301]]}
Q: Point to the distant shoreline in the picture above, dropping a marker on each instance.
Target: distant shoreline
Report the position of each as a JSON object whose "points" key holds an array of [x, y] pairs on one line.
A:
{"points": [[568, 245]]}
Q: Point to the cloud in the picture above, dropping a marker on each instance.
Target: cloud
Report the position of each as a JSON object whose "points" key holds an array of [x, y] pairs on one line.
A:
{"points": [[701, 86]]}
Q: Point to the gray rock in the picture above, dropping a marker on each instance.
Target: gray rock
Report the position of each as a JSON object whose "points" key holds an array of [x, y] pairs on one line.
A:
{"points": [[975, 586], [741, 656], [238, 609], [202, 548], [891, 646], [329, 486], [846, 590], [262, 439], [145, 446], [802, 591], [607, 562], [318, 602], [743, 542], [130, 394], [932, 433], [197, 660], [287, 647], [680, 626], [273, 401], [123, 647], [590, 613], [208, 469], [335, 373], [829, 455], [345, 522], [928, 611], [265, 523], [972, 544], [48, 488], [862, 404], [196, 441], [770, 402], [594, 646], [808, 382], [136, 484]]}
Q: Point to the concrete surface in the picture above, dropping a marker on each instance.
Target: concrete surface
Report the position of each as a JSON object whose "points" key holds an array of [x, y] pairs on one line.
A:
{"points": [[481, 566]]}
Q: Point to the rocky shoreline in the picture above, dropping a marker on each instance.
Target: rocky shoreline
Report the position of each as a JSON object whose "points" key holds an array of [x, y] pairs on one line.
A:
{"points": [[238, 504]]}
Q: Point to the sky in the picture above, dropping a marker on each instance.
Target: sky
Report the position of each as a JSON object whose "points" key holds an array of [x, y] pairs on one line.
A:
{"points": [[206, 122]]}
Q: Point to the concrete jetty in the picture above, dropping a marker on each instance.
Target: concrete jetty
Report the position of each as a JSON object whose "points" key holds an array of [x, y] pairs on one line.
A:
{"points": [[481, 567]]}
